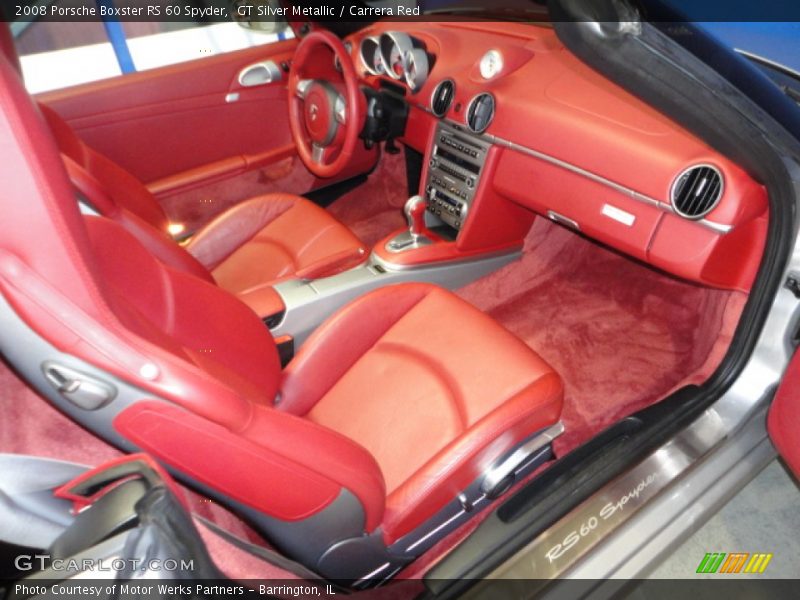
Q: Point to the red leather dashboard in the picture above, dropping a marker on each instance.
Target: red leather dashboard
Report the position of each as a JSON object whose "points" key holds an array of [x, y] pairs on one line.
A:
{"points": [[573, 143]]}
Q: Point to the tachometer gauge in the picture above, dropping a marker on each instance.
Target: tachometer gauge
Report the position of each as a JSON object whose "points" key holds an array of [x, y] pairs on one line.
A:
{"points": [[491, 64], [416, 68]]}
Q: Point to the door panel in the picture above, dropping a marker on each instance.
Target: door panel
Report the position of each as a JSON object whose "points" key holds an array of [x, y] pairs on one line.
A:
{"points": [[783, 422], [178, 125]]}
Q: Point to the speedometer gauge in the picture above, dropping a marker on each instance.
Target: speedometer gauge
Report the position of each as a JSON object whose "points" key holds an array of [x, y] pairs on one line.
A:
{"points": [[395, 65], [394, 46], [491, 64]]}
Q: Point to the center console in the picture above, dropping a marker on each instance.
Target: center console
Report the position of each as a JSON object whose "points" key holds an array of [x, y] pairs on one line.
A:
{"points": [[459, 229], [454, 170]]}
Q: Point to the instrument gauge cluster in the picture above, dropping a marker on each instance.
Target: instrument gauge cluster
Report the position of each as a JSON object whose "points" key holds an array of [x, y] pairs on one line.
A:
{"points": [[397, 55]]}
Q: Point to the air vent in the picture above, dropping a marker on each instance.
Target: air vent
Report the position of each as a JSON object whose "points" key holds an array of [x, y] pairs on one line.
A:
{"points": [[696, 191], [442, 97], [480, 112]]}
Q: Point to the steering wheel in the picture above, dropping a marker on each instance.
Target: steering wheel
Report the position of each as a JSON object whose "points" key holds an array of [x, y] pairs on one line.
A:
{"points": [[325, 116]]}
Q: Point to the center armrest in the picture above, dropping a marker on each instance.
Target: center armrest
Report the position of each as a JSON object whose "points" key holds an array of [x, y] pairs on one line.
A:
{"points": [[265, 302]]}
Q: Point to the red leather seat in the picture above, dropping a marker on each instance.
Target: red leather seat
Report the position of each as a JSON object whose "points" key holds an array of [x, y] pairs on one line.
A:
{"points": [[258, 242], [430, 386], [396, 421]]}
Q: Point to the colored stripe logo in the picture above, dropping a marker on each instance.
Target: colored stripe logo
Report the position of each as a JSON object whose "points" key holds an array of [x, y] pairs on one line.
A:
{"points": [[733, 563]]}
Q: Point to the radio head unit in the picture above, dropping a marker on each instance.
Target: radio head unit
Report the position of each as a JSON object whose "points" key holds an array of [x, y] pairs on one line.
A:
{"points": [[454, 172]]}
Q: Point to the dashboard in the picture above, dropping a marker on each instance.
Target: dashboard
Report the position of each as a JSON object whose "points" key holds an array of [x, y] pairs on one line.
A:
{"points": [[508, 120]]}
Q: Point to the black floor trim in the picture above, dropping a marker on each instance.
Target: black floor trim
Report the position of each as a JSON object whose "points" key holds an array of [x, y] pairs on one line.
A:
{"points": [[325, 196]]}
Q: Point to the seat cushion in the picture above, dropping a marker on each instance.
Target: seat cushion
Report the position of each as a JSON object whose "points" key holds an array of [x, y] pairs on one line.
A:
{"points": [[433, 388], [273, 237]]}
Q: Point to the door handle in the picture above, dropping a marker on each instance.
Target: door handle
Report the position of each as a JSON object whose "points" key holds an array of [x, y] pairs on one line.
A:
{"points": [[260, 73]]}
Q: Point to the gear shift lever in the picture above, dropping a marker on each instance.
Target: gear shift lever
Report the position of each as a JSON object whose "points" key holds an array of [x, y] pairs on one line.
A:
{"points": [[415, 236], [414, 210]]}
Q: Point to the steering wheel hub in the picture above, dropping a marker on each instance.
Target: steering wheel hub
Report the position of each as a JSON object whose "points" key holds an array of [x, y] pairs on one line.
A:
{"points": [[319, 105]]}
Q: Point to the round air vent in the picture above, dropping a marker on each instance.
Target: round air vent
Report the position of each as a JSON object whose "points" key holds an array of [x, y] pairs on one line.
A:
{"points": [[480, 112], [696, 191], [442, 97]]}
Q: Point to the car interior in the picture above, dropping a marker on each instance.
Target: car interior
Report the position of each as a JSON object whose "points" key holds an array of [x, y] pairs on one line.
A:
{"points": [[351, 291]]}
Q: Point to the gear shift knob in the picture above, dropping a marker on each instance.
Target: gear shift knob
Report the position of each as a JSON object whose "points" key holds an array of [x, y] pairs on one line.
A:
{"points": [[414, 210], [417, 233]]}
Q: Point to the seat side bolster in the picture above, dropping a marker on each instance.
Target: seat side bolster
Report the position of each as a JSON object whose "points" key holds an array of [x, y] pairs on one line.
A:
{"points": [[323, 451], [162, 246], [157, 241], [220, 237], [341, 340], [280, 465], [470, 456]]}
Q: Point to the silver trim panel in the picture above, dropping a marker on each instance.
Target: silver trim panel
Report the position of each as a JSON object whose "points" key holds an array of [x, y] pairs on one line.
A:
{"points": [[549, 555], [340, 109], [450, 187], [261, 73], [737, 460], [559, 218], [302, 88]]}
